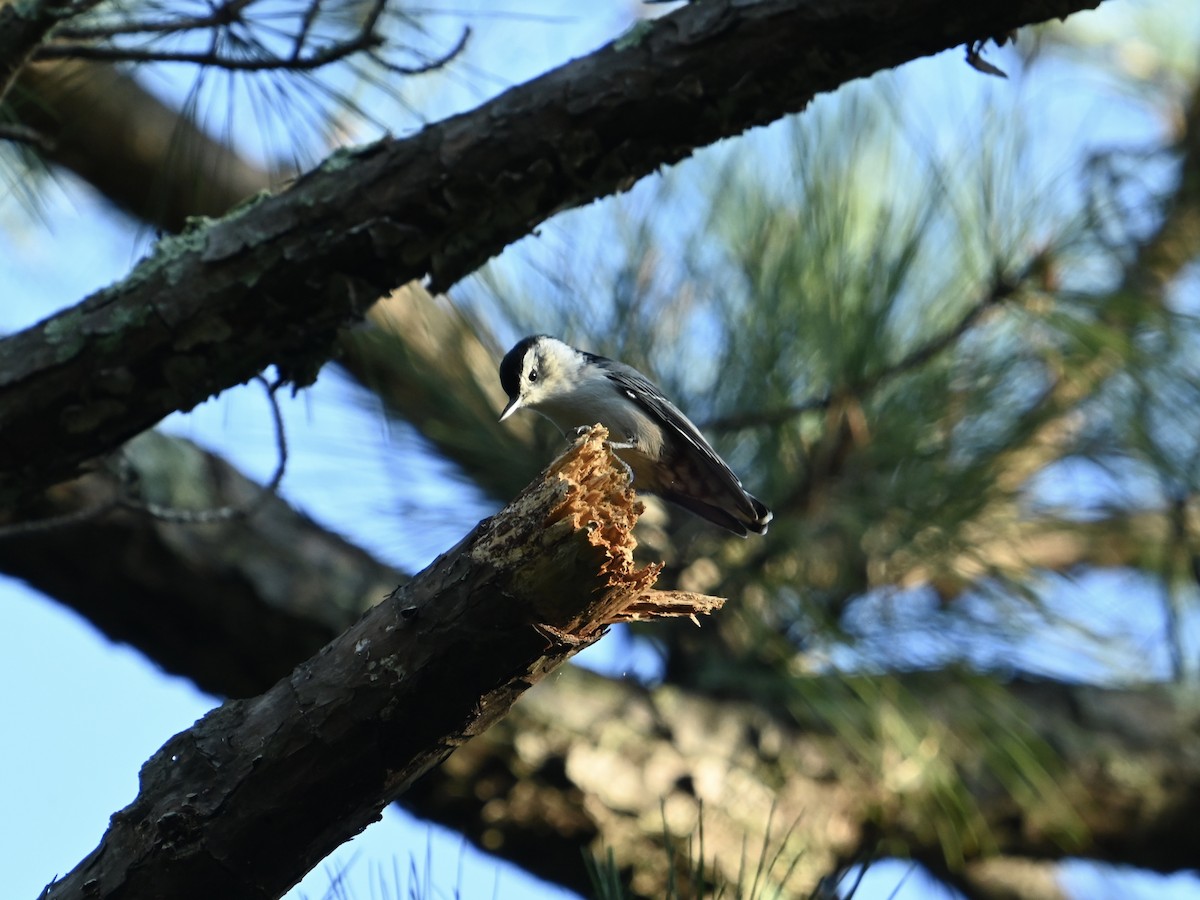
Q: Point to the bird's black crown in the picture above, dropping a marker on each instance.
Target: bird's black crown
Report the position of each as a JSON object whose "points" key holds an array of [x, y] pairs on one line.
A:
{"points": [[510, 366]]}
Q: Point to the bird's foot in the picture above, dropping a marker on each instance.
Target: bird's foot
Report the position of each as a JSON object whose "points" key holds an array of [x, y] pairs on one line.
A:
{"points": [[617, 445], [628, 444]]}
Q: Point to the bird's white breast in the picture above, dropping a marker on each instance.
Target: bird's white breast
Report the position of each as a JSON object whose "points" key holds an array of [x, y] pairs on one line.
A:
{"points": [[599, 400]]}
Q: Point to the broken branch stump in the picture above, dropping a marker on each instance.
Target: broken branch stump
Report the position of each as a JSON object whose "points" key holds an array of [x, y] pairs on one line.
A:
{"points": [[258, 791]]}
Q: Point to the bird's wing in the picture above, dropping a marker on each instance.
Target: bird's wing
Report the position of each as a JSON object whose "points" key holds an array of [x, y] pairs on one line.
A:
{"points": [[679, 428]]}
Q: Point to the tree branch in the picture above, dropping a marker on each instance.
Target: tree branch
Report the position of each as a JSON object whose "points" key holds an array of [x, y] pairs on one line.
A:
{"points": [[1012, 878], [273, 280], [23, 134], [1015, 547], [24, 26], [1172, 245], [594, 761], [143, 155], [314, 760], [232, 606]]}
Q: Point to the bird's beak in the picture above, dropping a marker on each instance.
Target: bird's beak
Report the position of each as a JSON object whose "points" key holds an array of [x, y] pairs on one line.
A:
{"points": [[511, 407]]}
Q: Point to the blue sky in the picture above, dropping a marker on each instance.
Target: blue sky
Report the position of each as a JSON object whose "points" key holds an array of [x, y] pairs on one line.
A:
{"points": [[82, 714]]}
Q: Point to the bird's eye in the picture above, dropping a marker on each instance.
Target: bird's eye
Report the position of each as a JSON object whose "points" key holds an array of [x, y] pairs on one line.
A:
{"points": [[533, 374]]}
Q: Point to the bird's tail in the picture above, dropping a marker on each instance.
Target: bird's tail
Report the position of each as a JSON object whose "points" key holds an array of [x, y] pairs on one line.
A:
{"points": [[740, 521], [762, 515]]}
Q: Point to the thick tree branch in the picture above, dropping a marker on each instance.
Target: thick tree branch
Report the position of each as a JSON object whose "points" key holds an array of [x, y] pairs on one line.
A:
{"points": [[272, 281], [587, 760], [231, 605], [143, 155], [1015, 547], [23, 28], [1011, 878], [314, 760]]}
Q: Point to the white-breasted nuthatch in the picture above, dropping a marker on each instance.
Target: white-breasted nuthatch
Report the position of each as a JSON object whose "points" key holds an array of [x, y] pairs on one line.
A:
{"points": [[665, 451]]}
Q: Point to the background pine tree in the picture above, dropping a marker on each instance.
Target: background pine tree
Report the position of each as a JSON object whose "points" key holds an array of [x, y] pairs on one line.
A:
{"points": [[943, 322]]}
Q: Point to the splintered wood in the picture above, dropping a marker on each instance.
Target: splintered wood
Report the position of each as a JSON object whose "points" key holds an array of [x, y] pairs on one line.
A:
{"points": [[599, 501]]}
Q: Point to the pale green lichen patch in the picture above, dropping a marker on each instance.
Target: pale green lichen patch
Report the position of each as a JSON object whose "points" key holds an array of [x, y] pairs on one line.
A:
{"points": [[249, 203], [65, 333], [171, 247], [124, 317], [112, 334], [164, 261], [634, 36], [171, 251], [344, 157], [193, 224], [131, 316]]}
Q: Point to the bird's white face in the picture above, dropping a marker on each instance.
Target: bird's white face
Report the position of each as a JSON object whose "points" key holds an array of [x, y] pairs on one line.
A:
{"points": [[544, 370]]}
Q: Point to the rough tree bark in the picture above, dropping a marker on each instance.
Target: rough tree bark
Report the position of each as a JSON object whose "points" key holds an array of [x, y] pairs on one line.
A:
{"points": [[248, 800], [271, 282]]}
